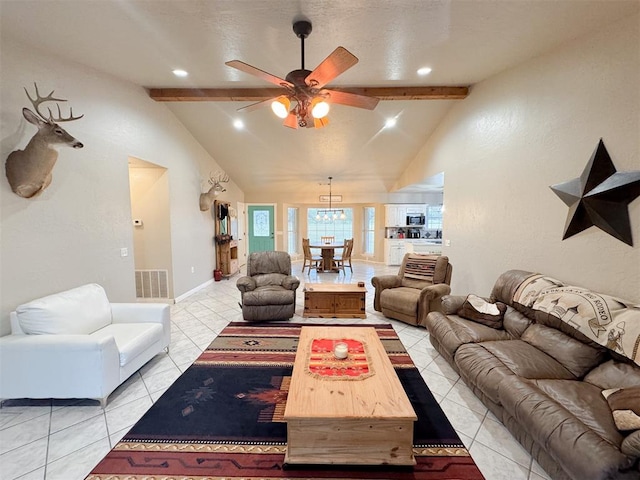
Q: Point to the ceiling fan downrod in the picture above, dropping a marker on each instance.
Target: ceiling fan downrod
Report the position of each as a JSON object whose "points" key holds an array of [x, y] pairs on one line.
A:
{"points": [[302, 29]]}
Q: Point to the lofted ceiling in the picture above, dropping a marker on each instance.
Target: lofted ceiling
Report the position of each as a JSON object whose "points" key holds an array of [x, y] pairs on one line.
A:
{"points": [[464, 42]]}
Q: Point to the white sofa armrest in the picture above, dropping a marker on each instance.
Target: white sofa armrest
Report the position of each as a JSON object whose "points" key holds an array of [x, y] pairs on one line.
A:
{"points": [[58, 366], [144, 313]]}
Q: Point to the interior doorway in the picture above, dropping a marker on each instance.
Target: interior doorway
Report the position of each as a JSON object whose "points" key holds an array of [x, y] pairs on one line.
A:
{"points": [[242, 234], [149, 197]]}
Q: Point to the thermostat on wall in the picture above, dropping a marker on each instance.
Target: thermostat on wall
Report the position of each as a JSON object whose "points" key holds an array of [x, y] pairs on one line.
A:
{"points": [[137, 222]]}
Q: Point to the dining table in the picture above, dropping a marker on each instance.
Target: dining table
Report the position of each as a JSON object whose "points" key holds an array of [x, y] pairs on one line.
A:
{"points": [[327, 253]]}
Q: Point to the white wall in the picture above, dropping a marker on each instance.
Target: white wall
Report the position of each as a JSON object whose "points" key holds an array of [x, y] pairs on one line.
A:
{"points": [[72, 233], [520, 132]]}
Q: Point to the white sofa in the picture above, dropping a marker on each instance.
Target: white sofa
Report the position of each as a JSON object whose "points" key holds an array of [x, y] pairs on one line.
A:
{"points": [[75, 344]]}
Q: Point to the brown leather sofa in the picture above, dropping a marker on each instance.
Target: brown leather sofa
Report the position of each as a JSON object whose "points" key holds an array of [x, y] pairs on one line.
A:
{"points": [[268, 291], [544, 380], [416, 290]]}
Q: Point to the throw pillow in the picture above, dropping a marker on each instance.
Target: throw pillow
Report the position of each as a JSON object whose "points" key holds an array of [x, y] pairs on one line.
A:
{"points": [[625, 406], [480, 311]]}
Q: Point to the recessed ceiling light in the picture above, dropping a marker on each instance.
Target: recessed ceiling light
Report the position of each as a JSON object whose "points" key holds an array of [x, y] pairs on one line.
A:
{"points": [[390, 123], [180, 73], [238, 124], [424, 71]]}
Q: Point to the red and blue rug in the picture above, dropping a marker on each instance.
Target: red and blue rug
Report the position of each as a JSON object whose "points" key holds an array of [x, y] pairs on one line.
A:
{"points": [[222, 419]]}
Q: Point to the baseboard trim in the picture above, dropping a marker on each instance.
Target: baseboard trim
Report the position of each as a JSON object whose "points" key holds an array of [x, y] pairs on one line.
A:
{"points": [[193, 290]]}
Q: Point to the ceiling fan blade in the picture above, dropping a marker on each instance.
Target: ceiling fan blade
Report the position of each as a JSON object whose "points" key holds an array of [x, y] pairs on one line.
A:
{"points": [[339, 61], [246, 68], [256, 106], [352, 99], [291, 121]]}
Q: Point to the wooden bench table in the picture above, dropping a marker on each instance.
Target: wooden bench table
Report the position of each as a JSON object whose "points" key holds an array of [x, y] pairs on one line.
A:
{"points": [[334, 300], [361, 416]]}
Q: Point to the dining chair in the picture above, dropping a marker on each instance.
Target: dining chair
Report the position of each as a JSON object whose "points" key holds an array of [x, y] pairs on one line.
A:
{"points": [[341, 260], [327, 239], [311, 260]]}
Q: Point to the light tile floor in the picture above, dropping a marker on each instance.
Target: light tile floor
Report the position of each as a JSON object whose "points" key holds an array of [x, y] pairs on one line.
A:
{"points": [[65, 439]]}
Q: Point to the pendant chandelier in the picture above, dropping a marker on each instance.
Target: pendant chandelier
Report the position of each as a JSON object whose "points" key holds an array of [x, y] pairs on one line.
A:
{"points": [[330, 213]]}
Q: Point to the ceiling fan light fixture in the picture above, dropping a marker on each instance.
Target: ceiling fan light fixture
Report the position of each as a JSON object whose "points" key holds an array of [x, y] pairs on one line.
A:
{"points": [[320, 122], [319, 108], [280, 106]]}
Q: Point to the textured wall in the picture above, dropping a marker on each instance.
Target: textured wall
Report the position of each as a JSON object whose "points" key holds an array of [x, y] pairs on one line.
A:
{"points": [[518, 133], [72, 234]]}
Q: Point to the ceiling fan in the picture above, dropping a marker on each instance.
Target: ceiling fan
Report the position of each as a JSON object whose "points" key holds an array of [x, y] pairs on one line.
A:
{"points": [[306, 89]]}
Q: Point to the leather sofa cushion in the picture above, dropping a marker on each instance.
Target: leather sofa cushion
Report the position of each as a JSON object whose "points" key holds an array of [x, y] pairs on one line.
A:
{"points": [[507, 284], [631, 444], [577, 357], [131, 338], [269, 279], [269, 295], [515, 322], [401, 299], [614, 374], [452, 331], [487, 364], [573, 423], [79, 311]]}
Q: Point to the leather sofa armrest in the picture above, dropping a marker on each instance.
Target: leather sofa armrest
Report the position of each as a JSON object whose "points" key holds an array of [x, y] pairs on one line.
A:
{"points": [[291, 282], [381, 283], [246, 284], [452, 303], [434, 291], [631, 444]]}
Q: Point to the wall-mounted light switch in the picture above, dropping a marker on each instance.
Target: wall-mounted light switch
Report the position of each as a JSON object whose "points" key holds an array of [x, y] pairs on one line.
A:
{"points": [[124, 252]]}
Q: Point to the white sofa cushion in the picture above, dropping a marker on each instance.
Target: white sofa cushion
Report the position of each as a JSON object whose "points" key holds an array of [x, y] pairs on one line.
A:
{"points": [[131, 338], [81, 310]]}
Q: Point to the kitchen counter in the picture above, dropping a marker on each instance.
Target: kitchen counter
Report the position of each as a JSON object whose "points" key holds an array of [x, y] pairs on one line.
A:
{"points": [[395, 248], [428, 241]]}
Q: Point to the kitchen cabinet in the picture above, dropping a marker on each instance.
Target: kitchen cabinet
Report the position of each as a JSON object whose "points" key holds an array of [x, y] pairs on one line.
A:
{"points": [[396, 214], [394, 251]]}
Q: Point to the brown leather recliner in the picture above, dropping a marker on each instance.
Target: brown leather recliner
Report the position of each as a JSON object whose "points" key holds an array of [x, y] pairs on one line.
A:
{"points": [[416, 290], [268, 291]]}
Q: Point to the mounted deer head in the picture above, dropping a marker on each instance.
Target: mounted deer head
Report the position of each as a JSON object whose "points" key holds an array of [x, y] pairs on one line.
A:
{"points": [[216, 180], [29, 170]]}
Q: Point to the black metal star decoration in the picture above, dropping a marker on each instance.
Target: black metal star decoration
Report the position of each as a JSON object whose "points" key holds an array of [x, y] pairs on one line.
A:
{"points": [[600, 197]]}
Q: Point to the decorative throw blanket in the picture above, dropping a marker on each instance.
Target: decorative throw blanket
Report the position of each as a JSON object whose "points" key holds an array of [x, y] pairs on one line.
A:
{"points": [[420, 267], [608, 321]]}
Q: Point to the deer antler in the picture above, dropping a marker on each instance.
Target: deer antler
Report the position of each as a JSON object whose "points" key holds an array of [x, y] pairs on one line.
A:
{"points": [[218, 178], [36, 102]]}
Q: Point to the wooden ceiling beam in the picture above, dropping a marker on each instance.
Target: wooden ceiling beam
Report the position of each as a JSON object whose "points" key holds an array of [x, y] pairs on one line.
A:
{"points": [[258, 94]]}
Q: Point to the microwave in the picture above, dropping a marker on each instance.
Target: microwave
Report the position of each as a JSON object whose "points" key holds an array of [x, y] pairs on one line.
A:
{"points": [[417, 219]]}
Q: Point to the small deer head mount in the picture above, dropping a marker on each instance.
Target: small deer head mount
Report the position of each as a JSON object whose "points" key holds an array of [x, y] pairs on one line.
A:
{"points": [[29, 170], [215, 180]]}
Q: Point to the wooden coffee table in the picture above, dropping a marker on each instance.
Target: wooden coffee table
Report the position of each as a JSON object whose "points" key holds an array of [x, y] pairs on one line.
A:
{"points": [[362, 417], [334, 300]]}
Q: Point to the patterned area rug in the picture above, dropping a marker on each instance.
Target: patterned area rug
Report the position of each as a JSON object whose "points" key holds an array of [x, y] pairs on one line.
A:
{"points": [[222, 419]]}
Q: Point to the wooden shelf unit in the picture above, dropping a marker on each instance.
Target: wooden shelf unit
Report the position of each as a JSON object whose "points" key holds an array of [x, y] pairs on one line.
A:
{"points": [[226, 253]]}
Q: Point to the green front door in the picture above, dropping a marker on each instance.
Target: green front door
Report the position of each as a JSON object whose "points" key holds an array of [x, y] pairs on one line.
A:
{"points": [[261, 228]]}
